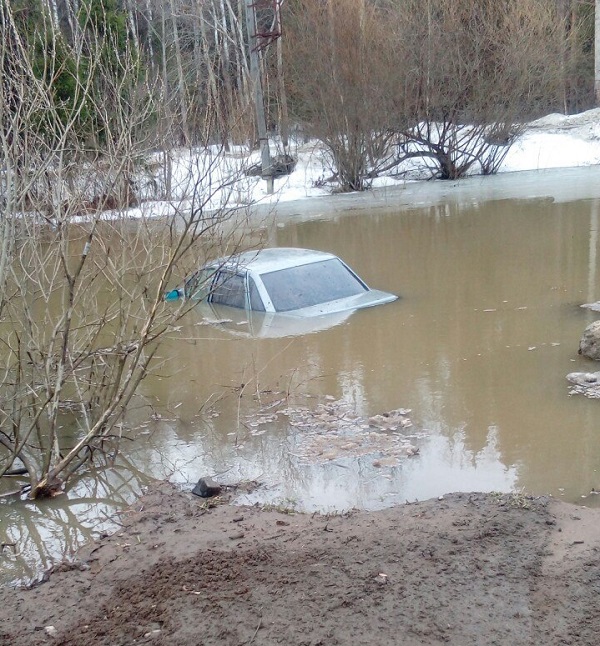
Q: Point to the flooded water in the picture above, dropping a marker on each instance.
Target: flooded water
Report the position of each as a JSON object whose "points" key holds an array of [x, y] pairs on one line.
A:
{"points": [[477, 347]]}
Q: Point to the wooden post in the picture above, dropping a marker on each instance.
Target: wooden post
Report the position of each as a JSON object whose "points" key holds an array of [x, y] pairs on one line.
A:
{"points": [[261, 123]]}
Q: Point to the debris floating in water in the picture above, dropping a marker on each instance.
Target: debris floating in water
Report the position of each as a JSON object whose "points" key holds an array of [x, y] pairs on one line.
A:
{"points": [[334, 430]]}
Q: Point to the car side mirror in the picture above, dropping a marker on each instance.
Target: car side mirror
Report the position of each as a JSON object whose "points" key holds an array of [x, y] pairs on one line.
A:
{"points": [[174, 295]]}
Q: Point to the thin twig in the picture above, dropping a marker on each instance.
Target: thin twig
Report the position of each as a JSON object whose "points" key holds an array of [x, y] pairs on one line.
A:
{"points": [[256, 631]]}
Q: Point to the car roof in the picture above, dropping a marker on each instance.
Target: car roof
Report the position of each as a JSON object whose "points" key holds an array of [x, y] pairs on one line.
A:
{"points": [[267, 260]]}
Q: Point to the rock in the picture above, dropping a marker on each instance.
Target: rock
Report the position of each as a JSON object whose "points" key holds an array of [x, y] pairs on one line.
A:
{"points": [[51, 631], [280, 165], [584, 378], [283, 165], [206, 488], [585, 383], [595, 307], [589, 346]]}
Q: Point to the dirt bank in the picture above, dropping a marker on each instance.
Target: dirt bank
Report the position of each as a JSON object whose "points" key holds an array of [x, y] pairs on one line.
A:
{"points": [[467, 569]]}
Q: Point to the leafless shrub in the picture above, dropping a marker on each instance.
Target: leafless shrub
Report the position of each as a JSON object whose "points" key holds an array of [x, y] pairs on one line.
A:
{"points": [[82, 308], [339, 68], [450, 82], [474, 72]]}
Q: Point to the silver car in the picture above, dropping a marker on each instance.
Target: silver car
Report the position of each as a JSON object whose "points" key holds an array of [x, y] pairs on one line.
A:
{"points": [[294, 282]]}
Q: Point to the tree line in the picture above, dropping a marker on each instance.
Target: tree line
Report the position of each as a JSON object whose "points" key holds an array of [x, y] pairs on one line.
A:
{"points": [[451, 82], [378, 81]]}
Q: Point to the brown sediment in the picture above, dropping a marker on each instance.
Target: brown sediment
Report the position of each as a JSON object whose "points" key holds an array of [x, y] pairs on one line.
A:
{"points": [[464, 569]]}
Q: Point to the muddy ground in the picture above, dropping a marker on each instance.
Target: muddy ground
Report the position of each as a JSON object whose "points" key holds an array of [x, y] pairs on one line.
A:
{"points": [[466, 569]]}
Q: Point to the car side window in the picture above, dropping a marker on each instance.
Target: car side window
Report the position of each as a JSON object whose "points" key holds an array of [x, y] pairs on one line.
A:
{"points": [[256, 302], [198, 284], [229, 289]]}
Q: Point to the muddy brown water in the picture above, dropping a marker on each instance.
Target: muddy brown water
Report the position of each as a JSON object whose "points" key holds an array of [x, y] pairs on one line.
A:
{"points": [[477, 347]]}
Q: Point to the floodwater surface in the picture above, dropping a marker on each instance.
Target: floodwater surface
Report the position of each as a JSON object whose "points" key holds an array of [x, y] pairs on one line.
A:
{"points": [[477, 347], [474, 353]]}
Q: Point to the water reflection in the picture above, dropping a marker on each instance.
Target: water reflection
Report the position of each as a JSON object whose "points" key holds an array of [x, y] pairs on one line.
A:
{"points": [[593, 247], [478, 348], [36, 535], [443, 464], [263, 325]]}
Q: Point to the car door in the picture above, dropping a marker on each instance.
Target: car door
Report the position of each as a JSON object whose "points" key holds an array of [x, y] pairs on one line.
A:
{"points": [[229, 288]]}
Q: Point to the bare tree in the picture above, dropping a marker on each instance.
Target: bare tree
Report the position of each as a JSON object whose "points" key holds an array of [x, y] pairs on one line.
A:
{"points": [[81, 291], [475, 73], [340, 67], [597, 52], [181, 84], [578, 64], [449, 82]]}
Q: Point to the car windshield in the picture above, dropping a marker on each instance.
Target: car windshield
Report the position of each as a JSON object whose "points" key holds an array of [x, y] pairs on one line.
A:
{"points": [[306, 285]]}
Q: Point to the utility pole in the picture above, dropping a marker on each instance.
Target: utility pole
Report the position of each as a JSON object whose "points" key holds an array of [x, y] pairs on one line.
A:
{"points": [[265, 155]]}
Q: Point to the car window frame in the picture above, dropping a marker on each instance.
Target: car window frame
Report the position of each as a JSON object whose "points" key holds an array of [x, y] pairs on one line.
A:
{"points": [[302, 268], [216, 284], [198, 287]]}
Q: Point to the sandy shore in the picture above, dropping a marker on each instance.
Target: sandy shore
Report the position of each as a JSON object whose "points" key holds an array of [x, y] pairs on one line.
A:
{"points": [[465, 569]]}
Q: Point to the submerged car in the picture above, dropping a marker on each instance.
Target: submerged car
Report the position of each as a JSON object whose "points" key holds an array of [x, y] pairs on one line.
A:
{"points": [[295, 282]]}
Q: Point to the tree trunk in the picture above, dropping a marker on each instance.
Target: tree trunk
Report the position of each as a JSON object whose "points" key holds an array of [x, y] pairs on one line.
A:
{"points": [[284, 119], [597, 54], [183, 106]]}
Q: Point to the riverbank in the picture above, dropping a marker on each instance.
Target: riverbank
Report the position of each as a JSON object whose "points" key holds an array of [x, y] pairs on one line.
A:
{"points": [[463, 569]]}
